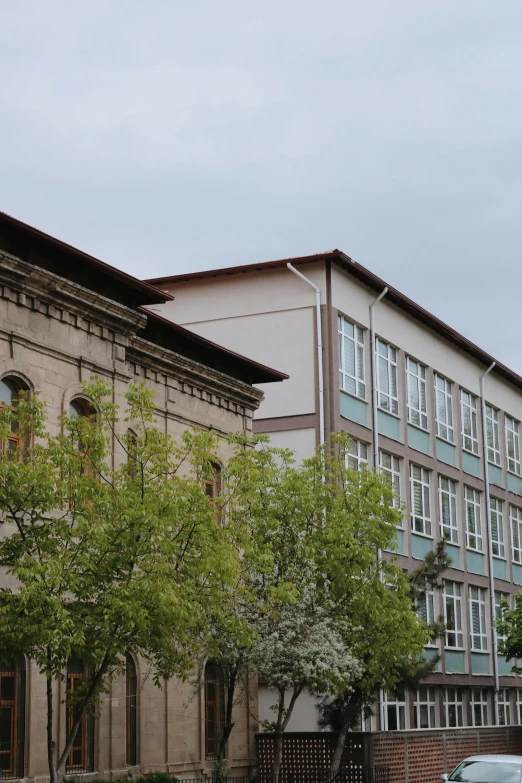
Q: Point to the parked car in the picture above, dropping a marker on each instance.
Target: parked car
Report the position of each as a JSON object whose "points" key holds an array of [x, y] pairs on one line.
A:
{"points": [[488, 769]]}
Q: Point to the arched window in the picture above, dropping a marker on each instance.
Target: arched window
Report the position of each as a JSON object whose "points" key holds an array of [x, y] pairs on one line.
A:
{"points": [[12, 720], [214, 708], [213, 484], [131, 710], [81, 755], [80, 408], [10, 389]]}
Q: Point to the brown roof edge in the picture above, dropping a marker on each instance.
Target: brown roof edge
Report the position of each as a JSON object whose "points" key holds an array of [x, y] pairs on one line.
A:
{"points": [[271, 374], [372, 281], [152, 293]]}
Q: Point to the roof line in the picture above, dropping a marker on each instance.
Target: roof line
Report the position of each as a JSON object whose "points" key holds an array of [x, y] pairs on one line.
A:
{"points": [[373, 281], [197, 338], [134, 282]]}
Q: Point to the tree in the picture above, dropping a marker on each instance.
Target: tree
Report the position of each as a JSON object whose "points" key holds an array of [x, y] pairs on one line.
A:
{"points": [[509, 632], [107, 557]]}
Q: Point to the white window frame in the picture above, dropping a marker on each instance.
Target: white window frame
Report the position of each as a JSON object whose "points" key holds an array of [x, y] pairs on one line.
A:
{"points": [[351, 379], [452, 597], [472, 505], [387, 388], [417, 406], [519, 706], [391, 467], [426, 611], [356, 456], [396, 701], [504, 707], [420, 480], [515, 523], [479, 707], [444, 408], [512, 444], [453, 698], [492, 435], [469, 416], [499, 597], [477, 618], [448, 509], [425, 705], [496, 522]]}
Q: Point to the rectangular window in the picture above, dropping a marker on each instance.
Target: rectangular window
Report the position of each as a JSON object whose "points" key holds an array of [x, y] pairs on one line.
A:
{"points": [[425, 708], [477, 613], [420, 500], [453, 614], [395, 710], [499, 598], [453, 707], [443, 408], [497, 527], [416, 389], [473, 521], [504, 707], [519, 706], [492, 438], [391, 468], [468, 404], [386, 360], [448, 509], [515, 516], [351, 358], [479, 706], [512, 445], [357, 455], [426, 611]]}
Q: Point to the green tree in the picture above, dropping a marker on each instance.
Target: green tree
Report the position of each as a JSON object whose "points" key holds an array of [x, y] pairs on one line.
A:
{"points": [[107, 557]]}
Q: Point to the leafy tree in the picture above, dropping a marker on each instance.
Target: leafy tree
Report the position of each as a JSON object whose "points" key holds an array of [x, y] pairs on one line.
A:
{"points": [[509, 632], [107, 557]]}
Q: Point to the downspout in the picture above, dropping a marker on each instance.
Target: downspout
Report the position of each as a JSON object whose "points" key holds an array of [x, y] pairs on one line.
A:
{"points": [[320, 372], [494, 645], [376, 465]]}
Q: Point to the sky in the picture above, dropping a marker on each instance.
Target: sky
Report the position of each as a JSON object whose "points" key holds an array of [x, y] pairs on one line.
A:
{"points": [[172, 136]]}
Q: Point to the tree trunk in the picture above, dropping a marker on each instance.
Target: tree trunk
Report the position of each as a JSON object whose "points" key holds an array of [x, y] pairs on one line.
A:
{"points": [[283, 719], [51, 756], [341, 742], [228, 725]]}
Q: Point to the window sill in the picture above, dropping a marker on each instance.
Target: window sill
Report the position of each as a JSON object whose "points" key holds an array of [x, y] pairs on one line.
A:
{"points": [[384, 410], [471, 453], [422, 535], [449, 542], [355, 396], [480, 652], [500, 557], [476, 551], [513, 473], [455, 649], [418, 427], [446, 440], [495, 464]]}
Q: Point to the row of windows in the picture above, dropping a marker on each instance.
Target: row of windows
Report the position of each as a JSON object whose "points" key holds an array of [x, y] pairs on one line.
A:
{"points": [[449, 508], [352, 380], [451, 707]]}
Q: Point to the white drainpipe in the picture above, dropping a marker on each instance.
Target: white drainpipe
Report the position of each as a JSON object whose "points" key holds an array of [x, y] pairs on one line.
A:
{"points": [[494, 645], [376, 465], [319, 349]]}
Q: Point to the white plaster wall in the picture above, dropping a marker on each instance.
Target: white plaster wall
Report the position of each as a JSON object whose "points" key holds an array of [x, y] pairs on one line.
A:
{"points": [[304, 716], [302, 442]]}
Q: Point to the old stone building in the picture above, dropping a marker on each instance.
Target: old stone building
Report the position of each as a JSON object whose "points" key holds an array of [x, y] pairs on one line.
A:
{"points": [[64, 317]]}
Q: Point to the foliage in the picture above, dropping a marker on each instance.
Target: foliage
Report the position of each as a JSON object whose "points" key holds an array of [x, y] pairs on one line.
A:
{"points": [[509, 632]]}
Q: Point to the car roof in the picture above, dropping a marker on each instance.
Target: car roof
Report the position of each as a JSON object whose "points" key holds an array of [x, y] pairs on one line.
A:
{"points": [[495, 757]]}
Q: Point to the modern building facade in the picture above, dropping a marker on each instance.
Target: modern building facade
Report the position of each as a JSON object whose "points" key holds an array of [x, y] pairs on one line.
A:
{"points": [[64, 317], [424, 406]]}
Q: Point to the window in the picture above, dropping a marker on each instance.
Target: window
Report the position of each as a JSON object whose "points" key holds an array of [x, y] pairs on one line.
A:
{"points": [[212, 484], [515, 516], [453, 614], [426, 611], [81, 755], [473, 522], [395, 710], [479, 707], [492, 439], [131, 710], [12, 719], [512, 445], [214, 708], [10, 390], [519, 705], [499, 598], [477, 613], [420, 500], [504, 707], [356, 455], [448, 509], [425, 708], [416, 389], [351, 358], [443, 408], [468, 404], [80, 408], [386, 360], [453, 707], [497, 527], [391, 468]]}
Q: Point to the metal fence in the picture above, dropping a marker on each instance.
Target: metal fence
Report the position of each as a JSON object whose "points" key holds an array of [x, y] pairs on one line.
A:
{"points": [[345, 775]]}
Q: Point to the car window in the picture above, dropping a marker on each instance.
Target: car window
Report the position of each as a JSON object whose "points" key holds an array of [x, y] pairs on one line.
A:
{"points": [[487, 772]]}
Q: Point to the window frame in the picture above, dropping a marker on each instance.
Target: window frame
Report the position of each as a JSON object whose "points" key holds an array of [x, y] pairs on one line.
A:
{"points": [[477, 611], [479, 702], [513, 462], [474, 538], [427, 599], [131, 711], [15, 387], [496, 511], [391, 701], [393, 472], [218, 703], [416, 384], [492, 428], [387, 361], [445, 429], [515, 524], [453, 599], [455, 702], [504, 706], [424, 520], [357, 377], [359, 459], [453, 537], [470, 404], [430, 705]]}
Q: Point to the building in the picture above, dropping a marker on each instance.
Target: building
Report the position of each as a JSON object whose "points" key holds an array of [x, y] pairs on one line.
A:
{"points": [[415, 413], [64, 317]]}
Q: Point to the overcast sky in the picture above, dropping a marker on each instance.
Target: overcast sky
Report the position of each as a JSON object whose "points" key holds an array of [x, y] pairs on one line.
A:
{"points": [[177, 135]]}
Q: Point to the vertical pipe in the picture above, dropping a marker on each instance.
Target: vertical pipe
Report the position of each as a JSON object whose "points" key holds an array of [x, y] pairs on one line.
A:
{"points": [[494, 644]]}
